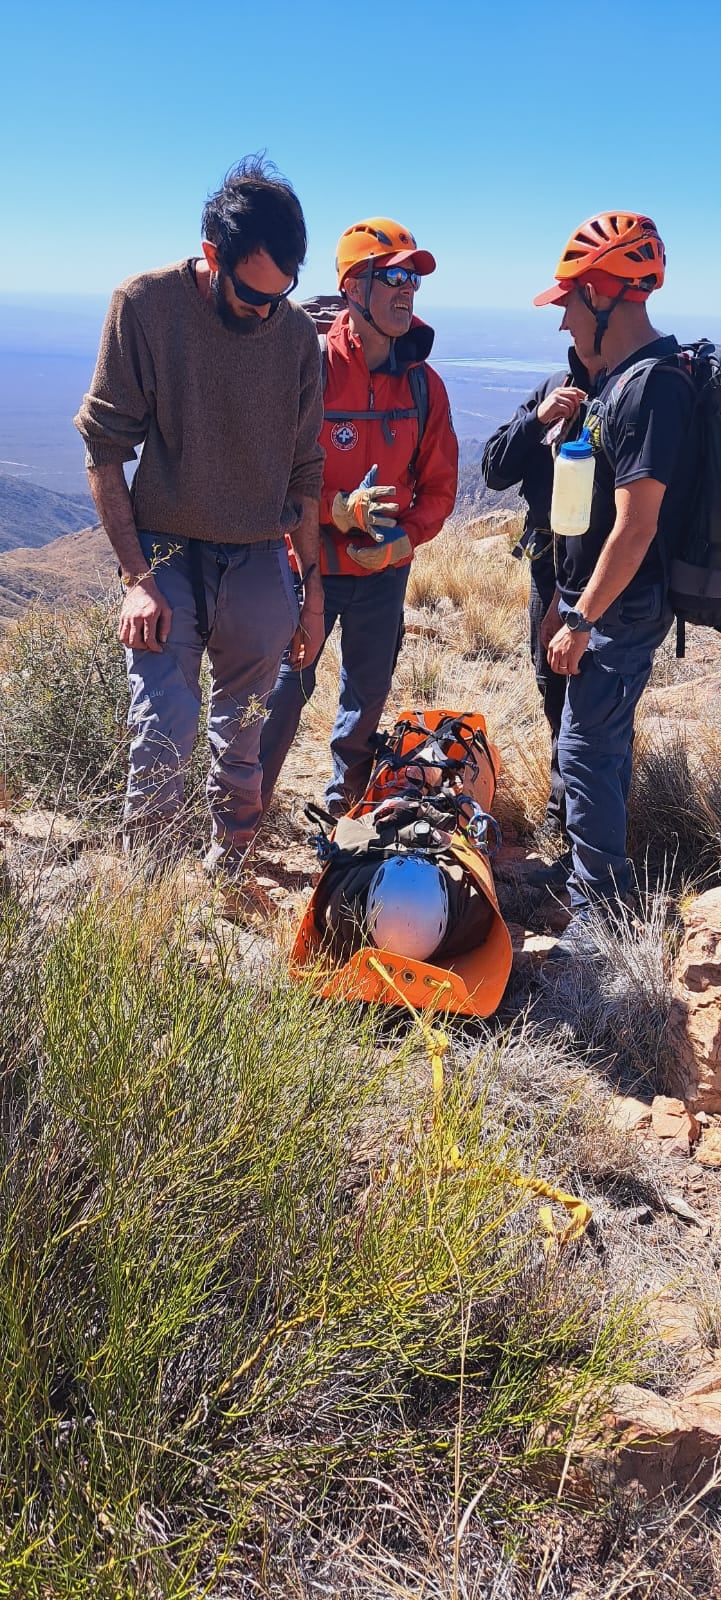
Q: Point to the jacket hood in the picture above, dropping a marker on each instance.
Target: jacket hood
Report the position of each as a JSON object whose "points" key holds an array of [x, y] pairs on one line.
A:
{"points": [[415, 345], [410, 347]]}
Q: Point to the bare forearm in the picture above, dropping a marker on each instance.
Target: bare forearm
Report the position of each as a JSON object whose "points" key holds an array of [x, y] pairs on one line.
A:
{"points": [[617, 564], [306, 544], [114, 507]]}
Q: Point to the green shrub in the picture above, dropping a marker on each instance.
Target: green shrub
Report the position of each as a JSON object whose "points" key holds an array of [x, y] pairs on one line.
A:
{"points": [[64, 704], [239, 1281], [63, 713]]}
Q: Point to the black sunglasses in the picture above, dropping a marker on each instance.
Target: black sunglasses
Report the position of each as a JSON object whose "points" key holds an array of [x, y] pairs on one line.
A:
{"points": [[253, 297], [395, 277]]}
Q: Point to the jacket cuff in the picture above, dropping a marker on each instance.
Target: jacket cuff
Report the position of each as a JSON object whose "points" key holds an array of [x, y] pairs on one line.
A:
{"points": [[530, 426]]}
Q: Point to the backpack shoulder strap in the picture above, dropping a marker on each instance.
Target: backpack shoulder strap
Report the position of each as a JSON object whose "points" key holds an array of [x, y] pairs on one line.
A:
{"points": [[323, 343], [418, 381], [641, 371]]}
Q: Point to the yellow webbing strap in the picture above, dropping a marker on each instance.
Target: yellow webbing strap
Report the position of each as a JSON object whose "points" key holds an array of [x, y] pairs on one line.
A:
{"points": [[436, 1043]]}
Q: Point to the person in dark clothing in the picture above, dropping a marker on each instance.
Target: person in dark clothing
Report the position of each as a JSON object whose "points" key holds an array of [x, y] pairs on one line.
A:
{"points": [[611, 611], [519, 452]]}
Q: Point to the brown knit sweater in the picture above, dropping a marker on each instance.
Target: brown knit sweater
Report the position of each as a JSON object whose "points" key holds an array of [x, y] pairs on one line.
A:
{"points": [[228, 422]]}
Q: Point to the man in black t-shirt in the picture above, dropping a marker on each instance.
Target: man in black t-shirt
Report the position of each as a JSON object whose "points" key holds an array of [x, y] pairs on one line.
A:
{"points": [[610, 611], [520, 452]]}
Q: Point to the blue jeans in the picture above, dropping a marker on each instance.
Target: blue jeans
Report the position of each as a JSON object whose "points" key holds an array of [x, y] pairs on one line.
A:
{"points": [[252, 615], [595, 745], [370, 609]]}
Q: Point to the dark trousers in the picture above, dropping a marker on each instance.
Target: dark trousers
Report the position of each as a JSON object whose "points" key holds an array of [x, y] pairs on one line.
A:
{"points": [[596, 744], [370, 611], [551, 686]]}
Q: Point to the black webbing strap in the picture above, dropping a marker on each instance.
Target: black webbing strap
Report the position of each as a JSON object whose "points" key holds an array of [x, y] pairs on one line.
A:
{"points": [[197, 580]]}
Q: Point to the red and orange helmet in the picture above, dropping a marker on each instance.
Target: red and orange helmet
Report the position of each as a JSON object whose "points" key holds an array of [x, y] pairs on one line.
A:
{"points": [[379, 238], [611, 248]]}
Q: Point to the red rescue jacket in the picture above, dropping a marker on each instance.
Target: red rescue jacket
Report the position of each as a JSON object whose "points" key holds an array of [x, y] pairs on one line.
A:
{"points": [[425, 476]]}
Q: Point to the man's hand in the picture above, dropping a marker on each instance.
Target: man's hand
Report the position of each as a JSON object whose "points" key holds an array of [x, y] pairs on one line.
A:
{"points": [[561, 405], [368, 507], [145, 617], [551, 622], [384, 555], [565, 651], [309, 636]]}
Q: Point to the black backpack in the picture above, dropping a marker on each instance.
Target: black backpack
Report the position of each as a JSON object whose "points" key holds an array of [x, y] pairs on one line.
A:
{"points": [[694, 564], [324, 309]]}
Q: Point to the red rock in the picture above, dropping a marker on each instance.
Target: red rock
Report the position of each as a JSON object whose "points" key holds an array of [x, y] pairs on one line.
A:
{"points": [[695, 1021], [709, 1151], [625, 1112], [665, 1444], [670, 1119]]}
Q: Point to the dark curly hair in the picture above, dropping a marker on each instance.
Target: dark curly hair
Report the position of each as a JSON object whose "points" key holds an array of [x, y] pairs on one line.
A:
{"points": [[256, 209]]}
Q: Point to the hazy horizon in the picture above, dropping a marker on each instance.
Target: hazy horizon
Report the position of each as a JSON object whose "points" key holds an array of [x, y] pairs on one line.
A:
{"points": [[489, 359]]}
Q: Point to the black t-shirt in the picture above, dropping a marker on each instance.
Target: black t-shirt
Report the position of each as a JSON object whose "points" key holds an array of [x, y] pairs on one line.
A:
{"points": [[650, 440]]}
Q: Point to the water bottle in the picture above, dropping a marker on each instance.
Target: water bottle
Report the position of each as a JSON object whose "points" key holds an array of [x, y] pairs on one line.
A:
{"points": [[573, 474]]}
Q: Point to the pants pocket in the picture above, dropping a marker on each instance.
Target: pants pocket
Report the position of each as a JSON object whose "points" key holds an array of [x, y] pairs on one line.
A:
{"points": [[292, 586]]}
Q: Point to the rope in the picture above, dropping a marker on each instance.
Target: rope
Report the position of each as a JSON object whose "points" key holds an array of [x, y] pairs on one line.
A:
{"points": [[437, 1043]]}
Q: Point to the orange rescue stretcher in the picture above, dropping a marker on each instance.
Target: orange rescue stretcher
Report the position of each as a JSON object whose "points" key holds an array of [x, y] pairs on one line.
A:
{"points": [[473, 983]]}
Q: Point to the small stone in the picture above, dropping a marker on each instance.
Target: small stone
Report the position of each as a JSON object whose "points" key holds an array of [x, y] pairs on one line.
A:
{"points": [[709, 1151], [625, 1113], [676, 1204], [671, 1120], [639, 1214]]}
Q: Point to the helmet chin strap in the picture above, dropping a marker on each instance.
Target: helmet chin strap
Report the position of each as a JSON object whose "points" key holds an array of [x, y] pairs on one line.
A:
{"points": [[364, 311], [602, 317]]}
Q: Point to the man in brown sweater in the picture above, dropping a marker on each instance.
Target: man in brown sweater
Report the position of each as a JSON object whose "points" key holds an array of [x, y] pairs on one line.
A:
{"points": [[215, 373]]}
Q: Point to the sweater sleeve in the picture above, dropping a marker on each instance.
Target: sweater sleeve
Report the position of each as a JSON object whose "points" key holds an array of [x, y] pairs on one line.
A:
{"points": [[505, 454], [307, 472], [115, 415], [436, 469]]}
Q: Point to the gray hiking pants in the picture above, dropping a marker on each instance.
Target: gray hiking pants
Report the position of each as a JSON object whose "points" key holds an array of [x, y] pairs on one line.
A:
{"points": [[252, 615]]}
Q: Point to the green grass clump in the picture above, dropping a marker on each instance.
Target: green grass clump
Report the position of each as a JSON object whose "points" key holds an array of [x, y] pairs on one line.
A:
{"points": [[239, 1282], [64, 704], [63, 716]]}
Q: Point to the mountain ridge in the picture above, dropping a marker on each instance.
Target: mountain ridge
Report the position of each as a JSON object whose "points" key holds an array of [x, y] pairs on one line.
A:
{"points": [[31, 517]]}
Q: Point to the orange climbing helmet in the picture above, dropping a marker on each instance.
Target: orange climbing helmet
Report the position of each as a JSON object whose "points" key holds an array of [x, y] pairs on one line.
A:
{"points": [[379, 238], [612, 246]]}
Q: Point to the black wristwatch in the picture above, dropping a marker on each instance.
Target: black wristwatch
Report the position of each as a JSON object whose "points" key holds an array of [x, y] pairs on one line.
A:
{"points": [[577, 623]]}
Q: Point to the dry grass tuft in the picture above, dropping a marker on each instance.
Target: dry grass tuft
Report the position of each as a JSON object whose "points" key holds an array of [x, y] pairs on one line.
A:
{"points": [[616, 1006], [675, 805]]}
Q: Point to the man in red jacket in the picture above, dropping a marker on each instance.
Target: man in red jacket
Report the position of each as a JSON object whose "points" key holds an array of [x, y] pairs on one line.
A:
{"points": [[389, 482]]}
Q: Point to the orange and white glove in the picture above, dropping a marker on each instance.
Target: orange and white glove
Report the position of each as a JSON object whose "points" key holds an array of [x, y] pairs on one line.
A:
{"points": [[390, 554], [367, 507]]}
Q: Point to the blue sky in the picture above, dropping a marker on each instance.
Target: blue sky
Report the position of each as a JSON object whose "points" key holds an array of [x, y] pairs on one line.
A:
{"points": [[491, 130]]}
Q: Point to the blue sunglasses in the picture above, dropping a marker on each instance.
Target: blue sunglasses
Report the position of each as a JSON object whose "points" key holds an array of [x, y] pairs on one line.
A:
{"points": [[395, 277]]}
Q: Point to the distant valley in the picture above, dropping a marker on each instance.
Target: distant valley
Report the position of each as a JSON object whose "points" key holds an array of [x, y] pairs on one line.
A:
{"points": [[33, 516], [76, 567]]}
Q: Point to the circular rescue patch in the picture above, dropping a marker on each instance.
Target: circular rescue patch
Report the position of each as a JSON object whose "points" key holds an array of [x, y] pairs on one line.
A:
{"points": [[344, 435]]}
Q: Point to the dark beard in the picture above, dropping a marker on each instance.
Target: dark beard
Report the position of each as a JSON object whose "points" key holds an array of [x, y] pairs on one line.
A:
{"points": [[240, 325]]}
